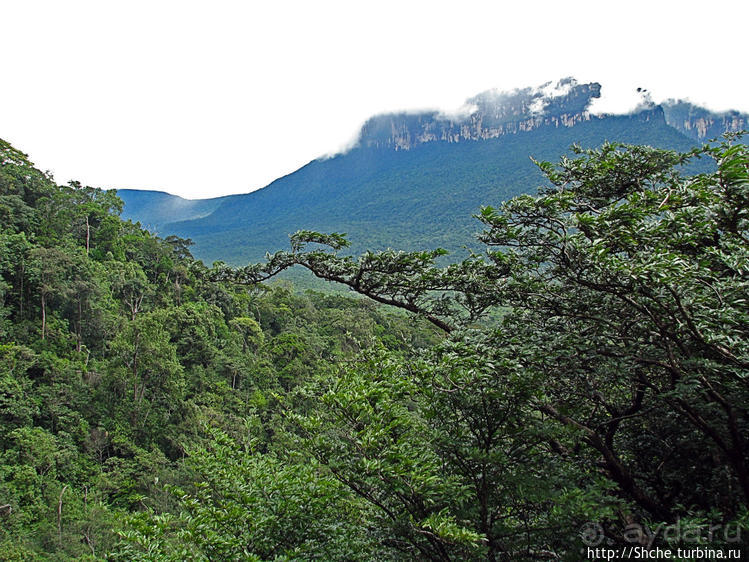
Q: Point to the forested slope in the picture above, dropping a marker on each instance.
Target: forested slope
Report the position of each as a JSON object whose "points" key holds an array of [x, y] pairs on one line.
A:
{"points": [[580, 383], [420, 198], [118, 353]]}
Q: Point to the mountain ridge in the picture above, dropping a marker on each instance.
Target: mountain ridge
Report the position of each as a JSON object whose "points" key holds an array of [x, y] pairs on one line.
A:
{"points": [[492, 114], [156, 208], [414, 179]]}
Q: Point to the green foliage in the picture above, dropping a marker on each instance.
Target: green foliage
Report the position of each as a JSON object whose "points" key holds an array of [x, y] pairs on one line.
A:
{"points": [[117, 347], [590, 366], [395, 435], [623, 346], [251, 506]]}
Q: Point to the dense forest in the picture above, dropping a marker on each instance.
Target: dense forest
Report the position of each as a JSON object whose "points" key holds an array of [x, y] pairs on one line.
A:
{"points": [[582, 382]]}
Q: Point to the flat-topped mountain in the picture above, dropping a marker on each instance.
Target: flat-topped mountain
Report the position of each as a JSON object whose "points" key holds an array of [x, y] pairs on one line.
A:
{"points": [[414, 180], [488, 115], [701, 124]]}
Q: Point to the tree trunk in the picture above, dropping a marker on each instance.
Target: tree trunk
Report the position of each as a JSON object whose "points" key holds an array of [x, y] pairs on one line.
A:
{"points": [[20, 294], [44, 314], [78, 328], [59, 514]]}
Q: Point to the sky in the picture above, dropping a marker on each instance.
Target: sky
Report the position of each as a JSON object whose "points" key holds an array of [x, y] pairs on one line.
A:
{"points": [[202, 99]]}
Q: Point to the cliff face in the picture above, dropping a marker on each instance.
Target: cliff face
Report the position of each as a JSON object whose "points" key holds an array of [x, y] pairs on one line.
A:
{"points": [[488, 115], [701, 124], [493, 114]]}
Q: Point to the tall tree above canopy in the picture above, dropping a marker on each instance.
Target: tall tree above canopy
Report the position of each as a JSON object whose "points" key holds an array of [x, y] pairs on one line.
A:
{"points": [[626, 281]]}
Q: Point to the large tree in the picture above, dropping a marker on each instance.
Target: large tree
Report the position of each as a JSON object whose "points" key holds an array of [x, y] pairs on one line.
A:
{"points": [[619, 293]]}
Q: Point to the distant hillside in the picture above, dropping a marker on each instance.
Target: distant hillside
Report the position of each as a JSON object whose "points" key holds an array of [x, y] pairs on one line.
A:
{"points": [[153, 209], [420, 198], [415, 180]]}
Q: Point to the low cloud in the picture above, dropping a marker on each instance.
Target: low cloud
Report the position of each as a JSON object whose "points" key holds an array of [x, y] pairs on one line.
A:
{"points": [[458, 113]]}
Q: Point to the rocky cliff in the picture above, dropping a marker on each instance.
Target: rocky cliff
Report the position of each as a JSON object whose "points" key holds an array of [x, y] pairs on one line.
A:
{"points": [[488, 115], [565, 103], [701, 124]]}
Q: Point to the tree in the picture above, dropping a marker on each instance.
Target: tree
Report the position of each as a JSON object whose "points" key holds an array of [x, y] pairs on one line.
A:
{"points": [[14, 257], [49, 270], [627, 275], [130, 285], [443, 450], [85, 289], [621, 289], [251, 506], [151, 368], [92, 206]]}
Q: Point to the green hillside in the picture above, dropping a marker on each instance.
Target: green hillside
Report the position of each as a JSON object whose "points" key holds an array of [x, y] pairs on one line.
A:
{"points": [[119, 352], [523, 405], [414, 180], [153, 209], [420, 198]]}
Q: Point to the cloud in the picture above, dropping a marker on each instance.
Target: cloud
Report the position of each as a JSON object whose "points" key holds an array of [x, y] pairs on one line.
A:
{"points": [[544, 93], [621, 99], [459, 113]]}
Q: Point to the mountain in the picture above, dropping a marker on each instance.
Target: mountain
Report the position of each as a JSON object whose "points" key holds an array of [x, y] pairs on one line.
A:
{"points": [[701, 124], [153, 209], [489, 115], [414, 180]]}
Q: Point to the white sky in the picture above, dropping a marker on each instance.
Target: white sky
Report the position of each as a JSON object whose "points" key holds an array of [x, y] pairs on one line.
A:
{"points": [[202, 99]]}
